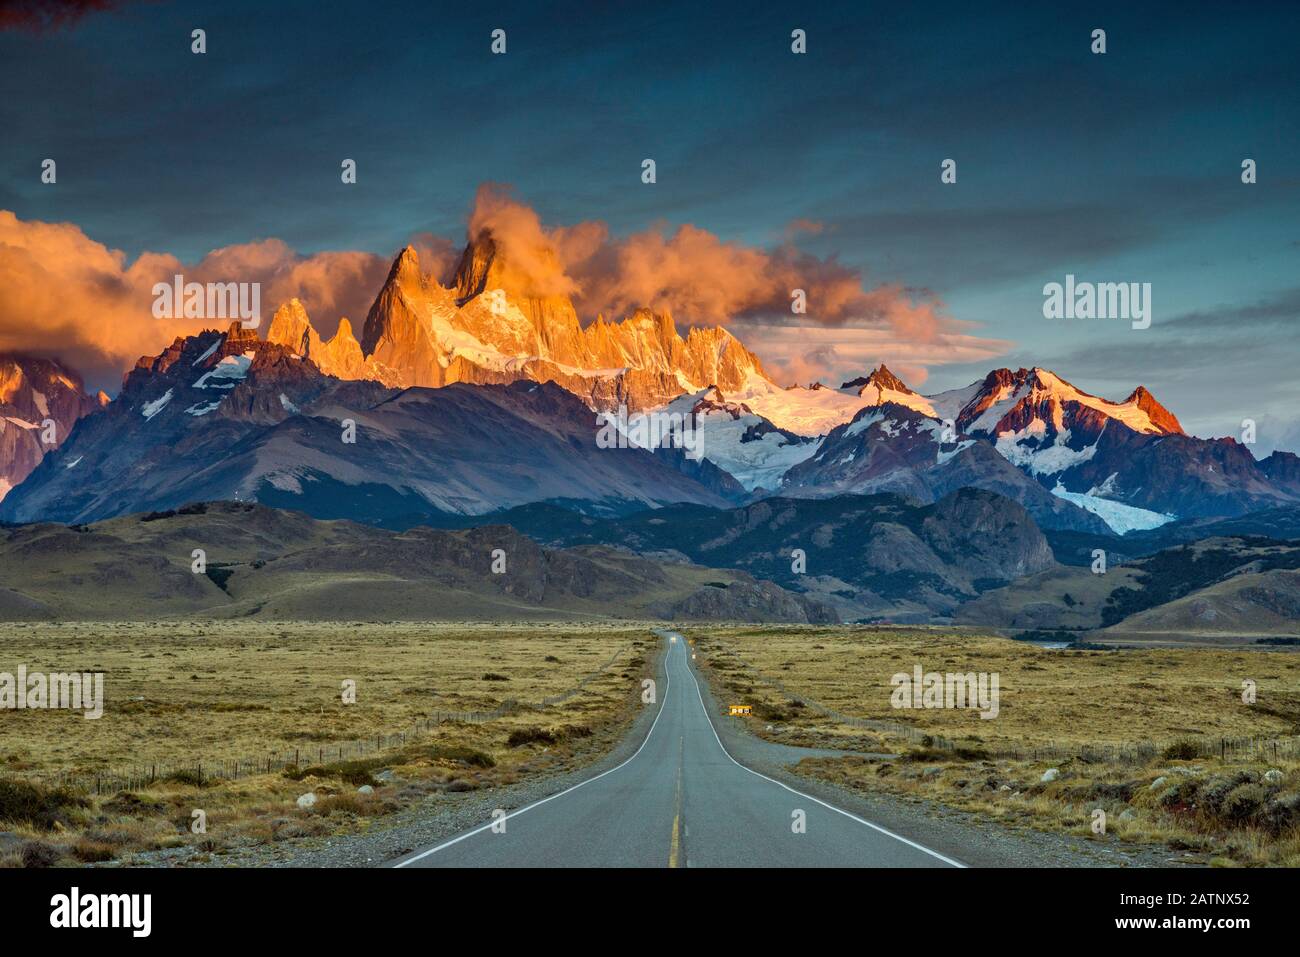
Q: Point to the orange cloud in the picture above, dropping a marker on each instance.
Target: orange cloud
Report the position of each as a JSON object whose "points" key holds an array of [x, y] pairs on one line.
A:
{"points": [[64, 295], [690, 272], [528, 260], [834, 354]]}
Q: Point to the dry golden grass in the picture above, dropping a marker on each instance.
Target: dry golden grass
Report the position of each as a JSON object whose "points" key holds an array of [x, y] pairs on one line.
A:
{"points": [[178, 693], [1220, 811], [1069, 698]]}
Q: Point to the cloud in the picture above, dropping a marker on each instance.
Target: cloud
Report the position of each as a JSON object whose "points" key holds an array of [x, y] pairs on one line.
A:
{"points": [[688, 271], [528, 263], [330, 284], [835, 354], [438, 256], [62, 294]]}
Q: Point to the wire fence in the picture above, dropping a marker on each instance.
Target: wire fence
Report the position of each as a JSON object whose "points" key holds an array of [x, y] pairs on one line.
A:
{"points": [[1190, 748], [201, 772]]}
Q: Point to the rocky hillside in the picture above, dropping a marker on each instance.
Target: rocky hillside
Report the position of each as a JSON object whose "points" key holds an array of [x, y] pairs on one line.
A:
{"points": [[36, 394], [271, 563], [225, 416], [874, 556]]}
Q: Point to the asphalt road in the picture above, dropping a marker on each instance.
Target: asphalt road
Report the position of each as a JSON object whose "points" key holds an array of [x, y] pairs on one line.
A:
{"points": [[680, 801]]}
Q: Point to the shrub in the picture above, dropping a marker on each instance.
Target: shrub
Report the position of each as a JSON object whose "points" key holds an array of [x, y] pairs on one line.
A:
{"points": [[462, 754], [767, 712], [521, 736], [93, 852], [1245, 803], [1181, 751], [39, 854], [350, 772], [186, 776], [493, 676], [41, 807], [1282, 813]]}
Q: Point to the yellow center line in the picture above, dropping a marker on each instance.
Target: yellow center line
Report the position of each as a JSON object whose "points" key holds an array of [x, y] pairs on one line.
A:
{"points": [[674, 845]]}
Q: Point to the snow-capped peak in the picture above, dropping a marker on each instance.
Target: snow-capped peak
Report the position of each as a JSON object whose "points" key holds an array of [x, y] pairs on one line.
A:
{"points": [[882, 386]]}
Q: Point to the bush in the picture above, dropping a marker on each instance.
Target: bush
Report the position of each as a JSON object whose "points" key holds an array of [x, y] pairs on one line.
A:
{"points": [[93, 852], [1282, 813], [1181, 751], [522, 736], [350, 772], [767, 712], [41, 807], [1245, 803], [39, 854], [493, 676], [462, 754], [186, 776]]}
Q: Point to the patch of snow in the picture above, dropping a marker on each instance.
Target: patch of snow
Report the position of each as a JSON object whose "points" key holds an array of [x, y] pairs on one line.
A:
{"points": [[1121, 518], [864, 423], [285, 482], [73, 464], [211, 349], [150, 409], [807, 412], [758, 463], [1021, 449], [944, 455], [232, 369], [1107, 488], [202, 408], [948, 405], [872, 394], [287, 405]]}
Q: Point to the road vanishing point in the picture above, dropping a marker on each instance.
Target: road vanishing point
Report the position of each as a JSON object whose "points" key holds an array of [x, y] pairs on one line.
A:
{"points": [[681, 800]]}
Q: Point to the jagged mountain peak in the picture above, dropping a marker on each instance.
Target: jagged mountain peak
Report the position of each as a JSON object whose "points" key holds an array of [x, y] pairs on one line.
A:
{"points": [[881, 378], [1157, 413], [476, 261], [35, 392]]}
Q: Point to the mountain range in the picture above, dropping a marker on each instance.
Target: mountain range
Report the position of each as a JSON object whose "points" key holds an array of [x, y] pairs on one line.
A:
{"points": [[485, 399], [481, 395]]}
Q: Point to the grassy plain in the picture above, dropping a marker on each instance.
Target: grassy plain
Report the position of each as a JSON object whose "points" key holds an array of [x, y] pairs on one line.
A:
{"points": [[1152, 722], [180, 693]]}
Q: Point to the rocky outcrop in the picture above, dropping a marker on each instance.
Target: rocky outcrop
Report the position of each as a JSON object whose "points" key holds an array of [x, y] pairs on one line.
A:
{"points": [[40, 401], [490, 327]]}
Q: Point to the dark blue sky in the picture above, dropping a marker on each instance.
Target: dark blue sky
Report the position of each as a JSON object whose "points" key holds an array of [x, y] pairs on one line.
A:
{"points": [[1122, 167]]}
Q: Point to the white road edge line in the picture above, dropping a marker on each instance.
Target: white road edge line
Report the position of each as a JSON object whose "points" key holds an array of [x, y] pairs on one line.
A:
{"points": [[668, 683], [875, 827]]}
